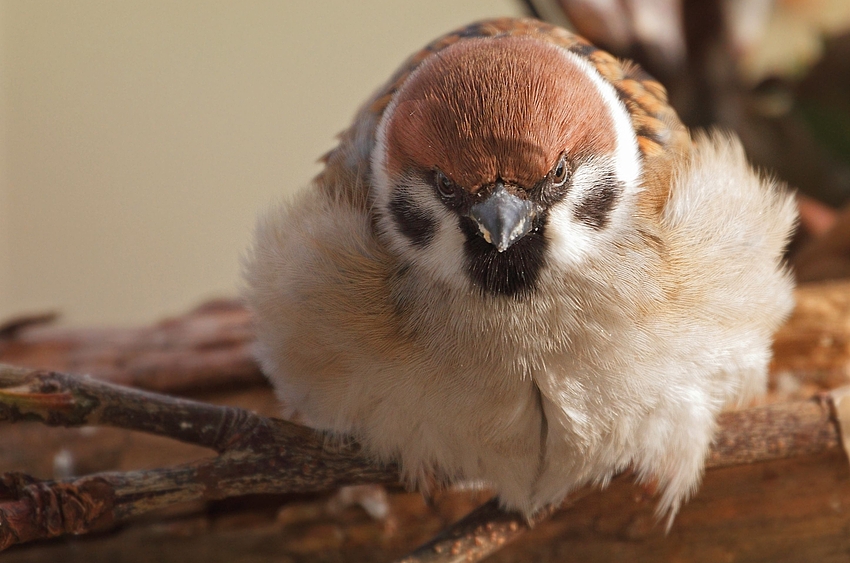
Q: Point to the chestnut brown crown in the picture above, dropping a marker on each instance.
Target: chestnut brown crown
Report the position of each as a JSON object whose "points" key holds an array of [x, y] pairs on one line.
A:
{"points": [[503, 108]]}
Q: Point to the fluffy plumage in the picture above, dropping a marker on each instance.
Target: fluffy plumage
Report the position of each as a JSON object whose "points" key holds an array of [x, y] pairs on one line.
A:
{"points": [[639, 301]]}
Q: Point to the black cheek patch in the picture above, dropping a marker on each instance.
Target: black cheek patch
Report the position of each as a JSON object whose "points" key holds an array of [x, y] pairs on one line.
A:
{"points": [[595, 209], [514, 272], [416, 224]]}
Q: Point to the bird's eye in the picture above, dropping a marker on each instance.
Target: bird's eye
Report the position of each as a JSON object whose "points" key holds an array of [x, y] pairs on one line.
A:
{"points": [[560, 172], [445, 187]]}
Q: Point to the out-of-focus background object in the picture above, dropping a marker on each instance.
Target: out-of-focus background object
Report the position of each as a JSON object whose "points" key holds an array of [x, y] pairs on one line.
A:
{"points": [[138, 139]]}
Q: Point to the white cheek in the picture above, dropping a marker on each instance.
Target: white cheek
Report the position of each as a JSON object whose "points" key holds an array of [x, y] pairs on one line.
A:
{"points": [[443, 257], [570, 241]]}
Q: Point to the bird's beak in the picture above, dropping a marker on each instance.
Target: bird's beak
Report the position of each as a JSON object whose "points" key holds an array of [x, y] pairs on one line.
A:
{"points": [[503, 218]]}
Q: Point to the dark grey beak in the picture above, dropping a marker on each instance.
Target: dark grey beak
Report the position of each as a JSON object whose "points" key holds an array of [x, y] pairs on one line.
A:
{"points": [[503, 218]]}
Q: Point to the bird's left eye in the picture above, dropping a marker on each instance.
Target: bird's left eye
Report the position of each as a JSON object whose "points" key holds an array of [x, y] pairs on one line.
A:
{"points": [[560, 172], [445, 187]]}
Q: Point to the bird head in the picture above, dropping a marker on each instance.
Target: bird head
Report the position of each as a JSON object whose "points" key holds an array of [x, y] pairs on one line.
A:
{"points": [[500, 157]]}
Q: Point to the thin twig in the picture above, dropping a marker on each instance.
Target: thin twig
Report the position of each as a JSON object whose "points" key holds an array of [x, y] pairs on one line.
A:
{"points": [[482, 532], [256, 455], [58, 399], [11, 327]]}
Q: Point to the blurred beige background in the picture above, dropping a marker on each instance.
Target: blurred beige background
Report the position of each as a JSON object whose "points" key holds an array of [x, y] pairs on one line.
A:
{"points": [[138, 138]]}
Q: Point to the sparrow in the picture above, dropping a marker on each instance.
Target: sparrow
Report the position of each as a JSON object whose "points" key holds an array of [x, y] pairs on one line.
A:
{"points": [[519, 268]]}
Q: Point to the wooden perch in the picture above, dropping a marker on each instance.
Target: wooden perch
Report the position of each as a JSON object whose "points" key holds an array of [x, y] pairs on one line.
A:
{"points": [[208, 348], [814, 345], [207, 354]]}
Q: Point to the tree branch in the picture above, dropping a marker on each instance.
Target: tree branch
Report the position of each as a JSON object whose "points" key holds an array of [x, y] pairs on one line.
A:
{"points": [[206, 348]]}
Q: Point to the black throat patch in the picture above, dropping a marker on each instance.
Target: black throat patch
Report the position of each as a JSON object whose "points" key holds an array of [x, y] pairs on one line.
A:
{"points": [[512, 273]]}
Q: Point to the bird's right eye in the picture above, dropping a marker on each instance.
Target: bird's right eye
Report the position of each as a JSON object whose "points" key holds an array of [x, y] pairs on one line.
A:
{"points": [[445, 187], [560, 172]]}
